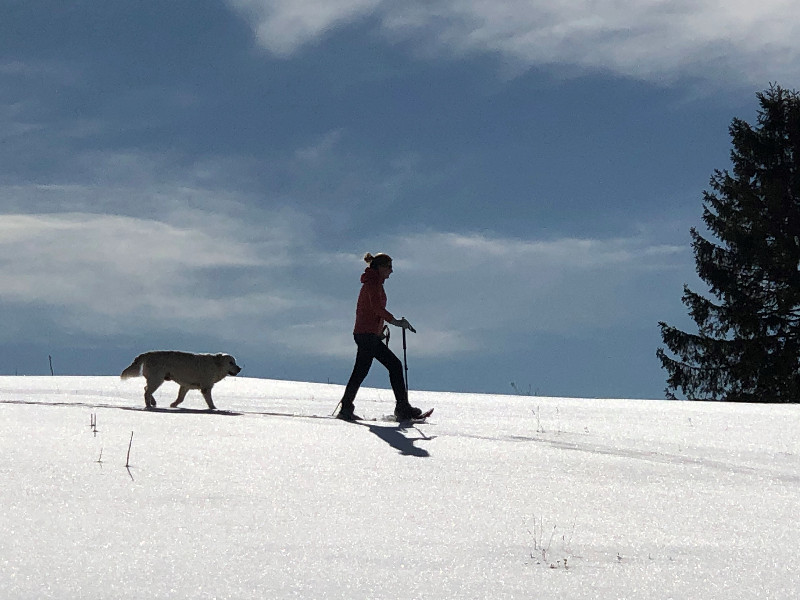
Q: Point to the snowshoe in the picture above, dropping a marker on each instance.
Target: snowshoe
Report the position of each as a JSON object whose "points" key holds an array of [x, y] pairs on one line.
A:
{"points": [[346, 413], [406, 412]]}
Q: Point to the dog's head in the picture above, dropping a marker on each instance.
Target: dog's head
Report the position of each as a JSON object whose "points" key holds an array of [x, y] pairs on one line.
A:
{"points": [[228, 364]]}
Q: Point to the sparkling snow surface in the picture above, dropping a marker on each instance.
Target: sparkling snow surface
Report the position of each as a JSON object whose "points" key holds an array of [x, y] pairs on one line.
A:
{"points": [[494, 497]]}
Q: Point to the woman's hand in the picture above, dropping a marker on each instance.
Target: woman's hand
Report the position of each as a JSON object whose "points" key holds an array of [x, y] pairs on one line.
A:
{"points": [[404, 324]]}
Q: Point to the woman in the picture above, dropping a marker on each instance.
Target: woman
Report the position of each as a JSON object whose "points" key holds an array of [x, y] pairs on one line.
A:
{"points": [[371, 314]]}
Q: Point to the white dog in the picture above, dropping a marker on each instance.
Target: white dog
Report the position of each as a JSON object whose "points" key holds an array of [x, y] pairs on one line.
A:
{"points": [[188, 370]]}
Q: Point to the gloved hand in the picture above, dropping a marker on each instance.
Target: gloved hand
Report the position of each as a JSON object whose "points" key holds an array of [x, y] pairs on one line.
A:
{"points": [[404, 324]]}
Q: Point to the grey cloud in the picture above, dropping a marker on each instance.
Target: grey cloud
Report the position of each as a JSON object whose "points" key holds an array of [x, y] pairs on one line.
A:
{"points": [[650, 40], [490, 284]]}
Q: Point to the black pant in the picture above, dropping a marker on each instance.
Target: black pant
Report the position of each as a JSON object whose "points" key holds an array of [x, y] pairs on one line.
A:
{"points": [[370, 347]]}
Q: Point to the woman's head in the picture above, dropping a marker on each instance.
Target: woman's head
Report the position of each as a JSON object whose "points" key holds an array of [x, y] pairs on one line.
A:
{"points": [[381, 262]]}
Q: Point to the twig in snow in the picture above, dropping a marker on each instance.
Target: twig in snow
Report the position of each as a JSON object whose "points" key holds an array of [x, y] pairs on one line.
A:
{"points": [[128, 460]]}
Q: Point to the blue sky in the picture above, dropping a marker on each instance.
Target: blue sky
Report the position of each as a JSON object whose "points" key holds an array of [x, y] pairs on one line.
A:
{"points": [[206, 175]]}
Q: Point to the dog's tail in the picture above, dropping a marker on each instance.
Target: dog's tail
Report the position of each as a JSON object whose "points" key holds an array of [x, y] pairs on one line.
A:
{"points": [[135, 368]]}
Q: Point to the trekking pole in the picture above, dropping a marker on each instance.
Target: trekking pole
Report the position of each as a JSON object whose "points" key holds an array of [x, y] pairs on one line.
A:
{"points": [[405, 362]]}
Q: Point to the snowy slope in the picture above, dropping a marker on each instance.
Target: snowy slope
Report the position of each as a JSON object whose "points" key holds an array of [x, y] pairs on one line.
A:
{"points": [[495, 497]]}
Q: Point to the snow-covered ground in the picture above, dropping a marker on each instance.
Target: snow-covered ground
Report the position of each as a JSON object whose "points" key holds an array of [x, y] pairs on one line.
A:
{"points": [[495, 497]]}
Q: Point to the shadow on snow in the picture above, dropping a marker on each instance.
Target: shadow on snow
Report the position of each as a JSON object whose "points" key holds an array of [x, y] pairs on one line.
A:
{"points": [[394, 436]]}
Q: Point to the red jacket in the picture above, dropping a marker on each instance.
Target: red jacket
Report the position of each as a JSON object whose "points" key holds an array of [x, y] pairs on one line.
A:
{"points": [[371, 308]]}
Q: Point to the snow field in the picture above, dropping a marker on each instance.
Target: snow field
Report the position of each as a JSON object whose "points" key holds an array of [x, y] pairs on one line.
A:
{"points": [[495, 497]]}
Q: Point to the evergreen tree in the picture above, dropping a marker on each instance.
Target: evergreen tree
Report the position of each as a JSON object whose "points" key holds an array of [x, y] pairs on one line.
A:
{"points": [[747, 347]]}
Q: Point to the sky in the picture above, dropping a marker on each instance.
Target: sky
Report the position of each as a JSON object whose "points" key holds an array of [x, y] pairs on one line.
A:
{"points": [[206, 175]]}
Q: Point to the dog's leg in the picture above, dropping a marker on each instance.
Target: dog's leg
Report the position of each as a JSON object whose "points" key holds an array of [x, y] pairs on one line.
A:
{"points": [[181, 395], [207, 395], [152, 386]]}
